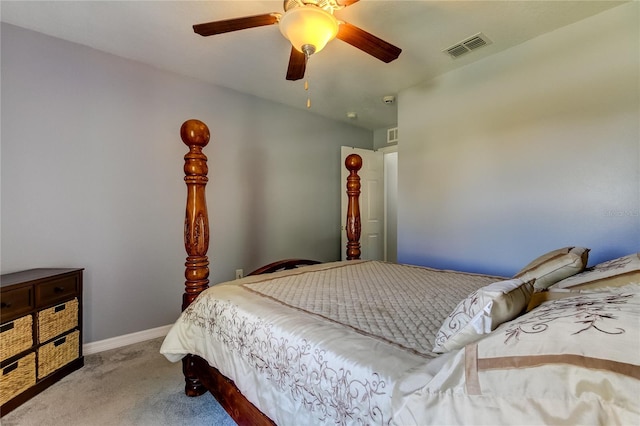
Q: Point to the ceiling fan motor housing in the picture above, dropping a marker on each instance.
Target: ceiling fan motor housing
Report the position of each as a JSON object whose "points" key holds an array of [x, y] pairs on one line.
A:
{"points": [[328, 5]]}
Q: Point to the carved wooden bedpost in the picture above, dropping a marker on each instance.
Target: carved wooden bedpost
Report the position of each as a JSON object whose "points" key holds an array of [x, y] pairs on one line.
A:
{"points": [[353, 164], [195, 135]]}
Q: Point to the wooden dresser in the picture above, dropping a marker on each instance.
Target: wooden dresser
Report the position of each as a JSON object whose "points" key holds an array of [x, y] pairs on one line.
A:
{"points": [[40, 331]]}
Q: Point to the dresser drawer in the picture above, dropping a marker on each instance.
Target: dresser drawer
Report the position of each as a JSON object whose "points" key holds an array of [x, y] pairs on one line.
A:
{"points": [[56, 320], [17, 377], [57, 290], [58, 353], [16, 336], [15, 303]]}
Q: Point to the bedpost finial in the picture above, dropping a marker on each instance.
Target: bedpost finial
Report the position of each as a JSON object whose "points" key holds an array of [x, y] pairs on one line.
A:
{"points": [[194, 132], [353, 162]]}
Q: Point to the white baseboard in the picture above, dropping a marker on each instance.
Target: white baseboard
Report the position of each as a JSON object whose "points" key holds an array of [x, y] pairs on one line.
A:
{"points": [[127, 339]]}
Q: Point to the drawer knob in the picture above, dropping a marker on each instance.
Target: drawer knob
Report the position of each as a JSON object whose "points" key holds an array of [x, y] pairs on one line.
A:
{"points": [[5, 304], [58, 290]]}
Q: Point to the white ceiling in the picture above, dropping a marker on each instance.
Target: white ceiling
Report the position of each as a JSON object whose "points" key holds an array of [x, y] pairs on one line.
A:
{"points": [[341, 78]]}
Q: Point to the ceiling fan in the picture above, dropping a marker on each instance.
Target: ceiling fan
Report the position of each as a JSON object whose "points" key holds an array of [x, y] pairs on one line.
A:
{"points": [[309, 25]]}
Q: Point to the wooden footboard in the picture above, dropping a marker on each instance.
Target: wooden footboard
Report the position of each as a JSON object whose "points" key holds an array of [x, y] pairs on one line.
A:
{"points": [[282, 265], [199, 376]]}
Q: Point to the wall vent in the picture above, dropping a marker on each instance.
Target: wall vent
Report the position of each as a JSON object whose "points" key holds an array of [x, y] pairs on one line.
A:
{"points": [[392, 135], [467, 45]]}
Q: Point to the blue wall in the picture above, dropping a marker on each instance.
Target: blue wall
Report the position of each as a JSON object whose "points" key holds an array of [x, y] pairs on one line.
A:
{"points": [[531, 149]]}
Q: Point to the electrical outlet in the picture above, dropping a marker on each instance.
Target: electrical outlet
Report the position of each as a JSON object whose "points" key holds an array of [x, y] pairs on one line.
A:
{"points": [[239, 273]]}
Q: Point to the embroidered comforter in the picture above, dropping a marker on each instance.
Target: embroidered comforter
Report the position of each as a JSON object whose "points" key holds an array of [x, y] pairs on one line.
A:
{"points": [[350, 343]]}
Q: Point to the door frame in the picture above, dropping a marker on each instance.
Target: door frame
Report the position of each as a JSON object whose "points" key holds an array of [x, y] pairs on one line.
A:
{"points": [[388, 150]]}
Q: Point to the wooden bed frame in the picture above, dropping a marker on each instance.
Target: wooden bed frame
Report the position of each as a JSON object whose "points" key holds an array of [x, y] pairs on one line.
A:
{"points": [[199, 376]]}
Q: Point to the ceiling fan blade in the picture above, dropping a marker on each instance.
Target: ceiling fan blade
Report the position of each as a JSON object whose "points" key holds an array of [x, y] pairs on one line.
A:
{"points": [[367, 42], [297, 65], [228, 25], [346, 3]]}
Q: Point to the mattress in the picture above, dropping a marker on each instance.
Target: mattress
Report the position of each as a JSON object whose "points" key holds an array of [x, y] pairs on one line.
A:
{"points": [[323, 343], [351, 343]]}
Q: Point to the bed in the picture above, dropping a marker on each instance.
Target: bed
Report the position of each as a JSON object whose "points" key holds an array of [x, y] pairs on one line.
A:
{"points": [[375, 343]]}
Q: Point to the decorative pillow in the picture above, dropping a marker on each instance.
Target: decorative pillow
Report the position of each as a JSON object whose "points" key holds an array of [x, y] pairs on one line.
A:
{"points": [[554, 266], [579, 351], [481, 312], [612, 273]]}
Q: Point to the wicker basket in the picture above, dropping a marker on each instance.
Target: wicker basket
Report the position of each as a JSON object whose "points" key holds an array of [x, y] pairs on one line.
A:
{"points": [[16, 336], [54, 321], [58, 353], [17, 377]]}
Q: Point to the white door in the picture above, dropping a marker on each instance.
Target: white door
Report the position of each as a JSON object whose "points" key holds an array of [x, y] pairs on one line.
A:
{"points": [[371, 203], [390, 204]]}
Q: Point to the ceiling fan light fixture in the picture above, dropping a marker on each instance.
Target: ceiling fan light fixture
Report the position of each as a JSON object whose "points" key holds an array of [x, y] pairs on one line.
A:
{"points": [[308, 26]]}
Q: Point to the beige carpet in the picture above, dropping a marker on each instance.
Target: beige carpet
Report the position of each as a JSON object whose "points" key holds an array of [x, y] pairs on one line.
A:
{"points": [[133, 385]]}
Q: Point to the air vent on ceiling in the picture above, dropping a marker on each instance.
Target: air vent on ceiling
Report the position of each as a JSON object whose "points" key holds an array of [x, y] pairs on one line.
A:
{"points": [[467, 45], [392, 135]]}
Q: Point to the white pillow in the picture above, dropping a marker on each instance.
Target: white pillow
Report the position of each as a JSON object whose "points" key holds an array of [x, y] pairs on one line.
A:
{"points": [[481, 312], [554, 266]]}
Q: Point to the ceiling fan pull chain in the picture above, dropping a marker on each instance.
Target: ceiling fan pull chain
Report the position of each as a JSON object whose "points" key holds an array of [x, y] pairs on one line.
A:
{"points": [[306, 84]]}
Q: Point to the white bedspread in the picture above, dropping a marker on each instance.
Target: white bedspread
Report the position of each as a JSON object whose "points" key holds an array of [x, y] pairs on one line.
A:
{"points": [[350, 343], [324, 343]]}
